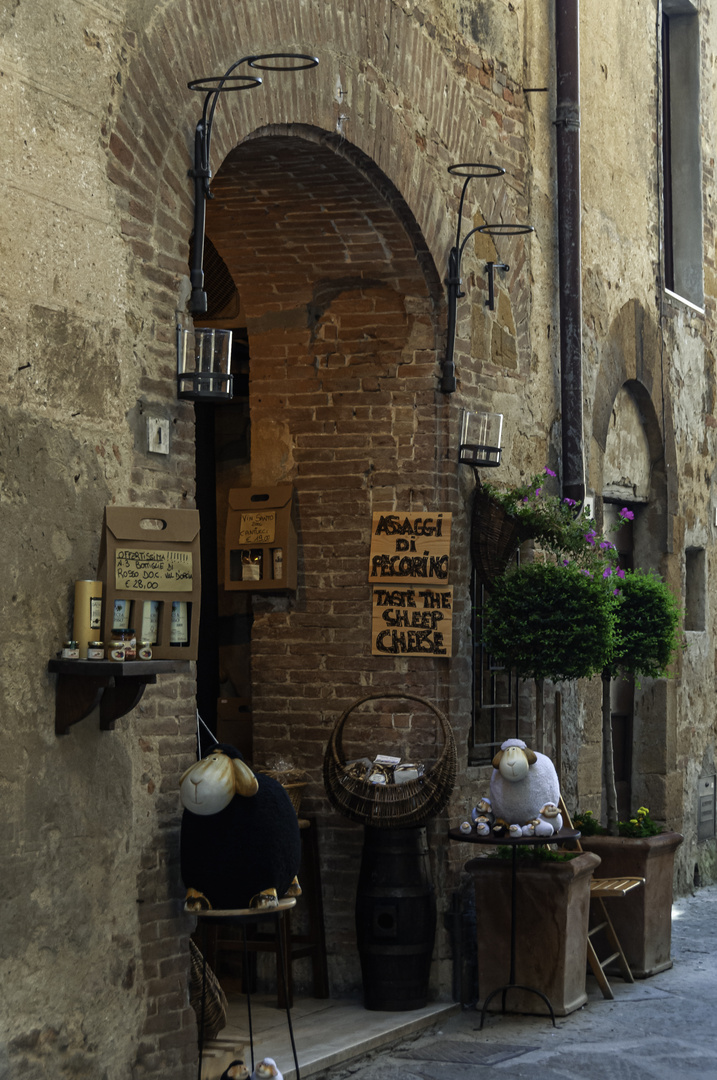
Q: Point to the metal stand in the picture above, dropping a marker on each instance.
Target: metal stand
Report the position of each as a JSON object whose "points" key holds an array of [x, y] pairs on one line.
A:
{"points": [[243, 917], [472, 838], [512, 984]]}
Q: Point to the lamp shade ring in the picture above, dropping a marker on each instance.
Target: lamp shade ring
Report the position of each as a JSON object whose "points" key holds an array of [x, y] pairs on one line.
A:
{"points": [[213, 84], [478, 169], [507, 229], [307, 61]]}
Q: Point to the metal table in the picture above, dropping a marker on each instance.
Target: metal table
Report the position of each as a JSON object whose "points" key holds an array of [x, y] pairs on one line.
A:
{"points": [[505, 841]]}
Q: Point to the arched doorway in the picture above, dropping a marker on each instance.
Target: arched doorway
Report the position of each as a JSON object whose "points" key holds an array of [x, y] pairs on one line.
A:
{"points": [[634, 477], [336, 312]]}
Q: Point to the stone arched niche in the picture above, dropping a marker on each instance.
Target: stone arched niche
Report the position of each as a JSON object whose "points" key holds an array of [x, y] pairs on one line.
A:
{"points": [[627, 467]]}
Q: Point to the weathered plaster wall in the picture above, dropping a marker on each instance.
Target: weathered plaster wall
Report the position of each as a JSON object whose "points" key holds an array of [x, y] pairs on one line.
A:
{"points": [[634, 331], [99, 127]]}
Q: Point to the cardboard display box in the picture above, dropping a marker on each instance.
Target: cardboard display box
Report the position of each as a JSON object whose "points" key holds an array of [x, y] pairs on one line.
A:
{"points": [[260, 548], [150, 568]]}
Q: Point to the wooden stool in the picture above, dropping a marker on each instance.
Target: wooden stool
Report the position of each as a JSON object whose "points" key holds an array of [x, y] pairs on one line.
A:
{"points": [[602, 889], [294, 946], [242, 918]]}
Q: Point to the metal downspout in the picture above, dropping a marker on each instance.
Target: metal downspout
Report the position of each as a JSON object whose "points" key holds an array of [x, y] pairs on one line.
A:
{"points": [[567, 121]]}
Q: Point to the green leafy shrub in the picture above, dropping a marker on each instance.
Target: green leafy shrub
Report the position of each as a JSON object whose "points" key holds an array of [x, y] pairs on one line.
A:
{"points": [[648, 618], [550, 621]]}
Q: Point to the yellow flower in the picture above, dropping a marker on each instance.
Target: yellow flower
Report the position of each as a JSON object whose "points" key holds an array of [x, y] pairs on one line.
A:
{"points": [[633, 821], [642, 810]]}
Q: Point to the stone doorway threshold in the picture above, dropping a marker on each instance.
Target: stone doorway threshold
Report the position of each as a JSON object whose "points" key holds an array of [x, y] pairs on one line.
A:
{"points": [[327, 1033]]}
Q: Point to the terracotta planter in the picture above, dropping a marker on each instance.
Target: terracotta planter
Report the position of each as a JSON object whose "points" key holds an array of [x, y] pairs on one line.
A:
{"points": [[643, 919], [552, 908]]}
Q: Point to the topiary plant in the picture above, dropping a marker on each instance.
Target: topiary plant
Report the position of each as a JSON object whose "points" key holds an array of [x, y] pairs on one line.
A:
{"points": [[646, 639], [648, 617], [550, 621]]}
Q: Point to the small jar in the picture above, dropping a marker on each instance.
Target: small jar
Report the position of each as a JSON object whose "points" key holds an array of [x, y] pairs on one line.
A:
{"points": [[117, 650], [145, 650], [128, 639], [95, 650], [70, 650]]}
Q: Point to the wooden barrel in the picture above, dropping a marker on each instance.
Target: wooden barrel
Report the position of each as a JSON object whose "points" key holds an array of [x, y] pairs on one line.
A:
{"points": [[395, 919]]}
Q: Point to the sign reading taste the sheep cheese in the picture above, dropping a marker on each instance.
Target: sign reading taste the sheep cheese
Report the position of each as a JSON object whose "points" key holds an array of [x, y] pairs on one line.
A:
{"points": [[410, 547], [412, 621]]}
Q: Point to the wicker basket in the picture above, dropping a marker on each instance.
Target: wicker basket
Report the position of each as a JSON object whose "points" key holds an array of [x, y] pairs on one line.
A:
{"points": [[293, 781], [215, 1001], [495, 537], [390, 806]]}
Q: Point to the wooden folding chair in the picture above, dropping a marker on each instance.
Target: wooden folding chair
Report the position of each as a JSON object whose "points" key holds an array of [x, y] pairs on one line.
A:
{"points": [[602, 889]]}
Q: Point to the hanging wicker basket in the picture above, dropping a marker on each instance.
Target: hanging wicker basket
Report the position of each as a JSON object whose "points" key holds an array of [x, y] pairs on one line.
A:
{"points": [[293, 781], [390, 806], [495, 537], [203, 982]]}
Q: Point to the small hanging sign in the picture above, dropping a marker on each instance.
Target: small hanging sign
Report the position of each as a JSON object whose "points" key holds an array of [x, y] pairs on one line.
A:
{"points": [[153, 570], [412, 621], [410, 547], [257, 527]]}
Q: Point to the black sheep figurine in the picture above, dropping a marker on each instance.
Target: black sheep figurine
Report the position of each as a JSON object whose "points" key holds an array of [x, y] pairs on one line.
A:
{"points": [[240, 845]]}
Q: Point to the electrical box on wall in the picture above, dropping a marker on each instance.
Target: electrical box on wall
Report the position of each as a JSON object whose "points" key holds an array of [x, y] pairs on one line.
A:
{"points": [[706, 808], [260, 548]]}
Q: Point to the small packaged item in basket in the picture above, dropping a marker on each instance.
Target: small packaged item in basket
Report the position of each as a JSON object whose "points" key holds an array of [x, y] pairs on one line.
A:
{"points": [[380, 774], [407, 771], [359, 768]]}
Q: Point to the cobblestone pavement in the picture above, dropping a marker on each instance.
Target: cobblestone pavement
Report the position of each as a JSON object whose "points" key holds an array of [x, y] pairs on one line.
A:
{"points": [[662, 1028]]}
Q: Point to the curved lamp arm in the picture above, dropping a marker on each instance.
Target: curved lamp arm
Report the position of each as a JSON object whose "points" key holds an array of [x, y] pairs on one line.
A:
{"points": [[212, 87]]}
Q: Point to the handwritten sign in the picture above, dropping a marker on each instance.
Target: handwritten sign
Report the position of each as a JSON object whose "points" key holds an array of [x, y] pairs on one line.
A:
{"points": [[410, 547], [153, 570], [259, 528], [413, 621]]}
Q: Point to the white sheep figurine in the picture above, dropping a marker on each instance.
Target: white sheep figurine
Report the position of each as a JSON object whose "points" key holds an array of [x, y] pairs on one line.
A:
{"points": [[524, 791]]}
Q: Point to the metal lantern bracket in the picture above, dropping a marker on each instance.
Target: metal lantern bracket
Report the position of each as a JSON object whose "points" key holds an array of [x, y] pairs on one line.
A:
{"points": [[212, 86], [480, 171]]}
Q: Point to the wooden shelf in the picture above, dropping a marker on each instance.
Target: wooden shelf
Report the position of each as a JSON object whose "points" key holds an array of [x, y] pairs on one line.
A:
{"points": [[117, 688]]}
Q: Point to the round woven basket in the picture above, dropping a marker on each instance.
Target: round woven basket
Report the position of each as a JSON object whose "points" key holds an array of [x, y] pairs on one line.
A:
{"points": [[390, 806]]}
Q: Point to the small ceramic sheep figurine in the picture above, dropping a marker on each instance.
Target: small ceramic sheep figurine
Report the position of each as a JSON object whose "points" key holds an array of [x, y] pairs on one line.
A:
{"points": [[237, 1070], [266, 1070], [524, 792], [240, 844]]}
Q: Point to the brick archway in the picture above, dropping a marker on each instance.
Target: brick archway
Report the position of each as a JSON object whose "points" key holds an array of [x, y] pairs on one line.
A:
{"points": [[414, 97]]}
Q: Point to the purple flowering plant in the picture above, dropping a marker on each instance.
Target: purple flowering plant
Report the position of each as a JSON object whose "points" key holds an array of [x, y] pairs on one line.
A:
{"points": [[558, 525]]}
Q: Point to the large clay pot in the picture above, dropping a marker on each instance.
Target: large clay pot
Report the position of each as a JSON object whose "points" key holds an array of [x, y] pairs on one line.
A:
{"points": [[642, 919], [552, 910]]}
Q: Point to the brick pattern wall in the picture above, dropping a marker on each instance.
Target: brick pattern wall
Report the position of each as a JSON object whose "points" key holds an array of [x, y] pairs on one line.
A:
{"points": [[342, 336], [344, 310]]}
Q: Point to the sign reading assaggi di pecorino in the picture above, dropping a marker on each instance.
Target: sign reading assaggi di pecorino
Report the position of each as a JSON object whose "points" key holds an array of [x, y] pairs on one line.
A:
{"points": [[413, 610]]}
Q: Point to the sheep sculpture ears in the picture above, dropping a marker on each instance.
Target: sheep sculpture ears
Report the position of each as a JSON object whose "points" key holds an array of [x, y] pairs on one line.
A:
{"points": [[210, 784], [529, 754]]}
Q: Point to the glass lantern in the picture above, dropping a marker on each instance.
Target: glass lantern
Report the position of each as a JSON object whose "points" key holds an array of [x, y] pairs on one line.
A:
{"points": [[204, 364], [480, 439]]}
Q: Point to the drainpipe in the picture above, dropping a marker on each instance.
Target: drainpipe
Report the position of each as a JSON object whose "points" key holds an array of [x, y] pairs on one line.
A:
{"points": [[567, 122]]}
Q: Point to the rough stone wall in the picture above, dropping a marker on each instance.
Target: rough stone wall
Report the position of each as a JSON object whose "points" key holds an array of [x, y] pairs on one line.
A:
{"points": [[99, 129], [99, 126], [635, 332]]}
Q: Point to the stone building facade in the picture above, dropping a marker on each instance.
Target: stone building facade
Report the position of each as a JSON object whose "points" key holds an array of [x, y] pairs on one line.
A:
{"points": [[333, 215]]}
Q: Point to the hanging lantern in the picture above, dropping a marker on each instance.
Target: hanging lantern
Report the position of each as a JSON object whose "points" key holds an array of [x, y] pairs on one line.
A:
{"points": [[480, 439], [204, 364]]}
